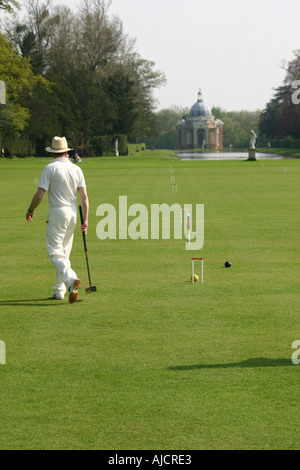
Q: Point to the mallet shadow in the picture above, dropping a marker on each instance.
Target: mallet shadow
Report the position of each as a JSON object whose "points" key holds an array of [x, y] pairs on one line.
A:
{"points": [[42, 302], [253, 362]]}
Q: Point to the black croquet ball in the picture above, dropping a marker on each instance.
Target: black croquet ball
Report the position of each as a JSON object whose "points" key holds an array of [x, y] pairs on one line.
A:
{"points": [[227, 264]]}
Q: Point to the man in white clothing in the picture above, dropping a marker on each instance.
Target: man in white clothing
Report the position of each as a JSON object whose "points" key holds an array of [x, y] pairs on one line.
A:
{"points": [[61, 179]]}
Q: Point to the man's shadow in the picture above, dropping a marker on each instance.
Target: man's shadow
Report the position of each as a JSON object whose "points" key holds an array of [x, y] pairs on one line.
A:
{"points": [[253, 362], [43, 302]]}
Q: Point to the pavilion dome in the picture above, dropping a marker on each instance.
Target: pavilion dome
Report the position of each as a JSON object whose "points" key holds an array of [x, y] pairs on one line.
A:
{"points": [[200, 109]]}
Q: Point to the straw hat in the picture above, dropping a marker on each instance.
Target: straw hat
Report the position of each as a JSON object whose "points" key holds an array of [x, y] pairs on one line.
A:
{"points": [[59, 145]]}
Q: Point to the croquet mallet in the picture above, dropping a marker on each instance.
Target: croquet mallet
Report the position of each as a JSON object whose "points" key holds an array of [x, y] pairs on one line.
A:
{"points": [[91, 288]]}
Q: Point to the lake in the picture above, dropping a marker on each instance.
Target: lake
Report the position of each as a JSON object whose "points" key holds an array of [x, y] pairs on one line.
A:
{"points": [[190, 155]]}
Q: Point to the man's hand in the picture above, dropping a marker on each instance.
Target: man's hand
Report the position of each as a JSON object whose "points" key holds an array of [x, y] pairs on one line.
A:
{"points": [[85, 209], [29, 216], [34, 203], [84, 227]]}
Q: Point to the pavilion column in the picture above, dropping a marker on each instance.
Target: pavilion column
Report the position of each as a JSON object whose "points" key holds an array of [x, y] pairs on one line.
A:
{"points": [[195, 143]]}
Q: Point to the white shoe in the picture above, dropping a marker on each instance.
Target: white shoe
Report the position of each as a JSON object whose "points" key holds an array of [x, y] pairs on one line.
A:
{"points": [[58, 297]]}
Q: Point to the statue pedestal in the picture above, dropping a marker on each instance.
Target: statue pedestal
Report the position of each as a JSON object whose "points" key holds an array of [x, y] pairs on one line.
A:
{"points": [[251, 155]]}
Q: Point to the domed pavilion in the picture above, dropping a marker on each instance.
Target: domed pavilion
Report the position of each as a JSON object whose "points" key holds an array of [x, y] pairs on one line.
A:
{"points": [[200, 129]]}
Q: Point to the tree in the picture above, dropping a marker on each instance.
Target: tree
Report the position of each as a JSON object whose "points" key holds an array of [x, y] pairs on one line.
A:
{"points": [[281, 117], [9, 5], [145, 79], [99, 84], [99, 37], [20, 81], [63, 54], [21, 84], [292, 69], [32, 38], [164, 132], [237, 125]]}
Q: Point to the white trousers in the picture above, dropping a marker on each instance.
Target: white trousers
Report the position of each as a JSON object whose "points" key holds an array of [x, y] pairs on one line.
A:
{"points": [[59, 239]]}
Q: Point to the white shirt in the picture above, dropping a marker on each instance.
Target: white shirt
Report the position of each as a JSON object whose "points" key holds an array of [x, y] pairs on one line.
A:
{"points": [[61, 179]]}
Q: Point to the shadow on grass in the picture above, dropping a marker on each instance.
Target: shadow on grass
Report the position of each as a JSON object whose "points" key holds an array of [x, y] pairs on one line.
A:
{"points": [[254, 362], [47, 302]]}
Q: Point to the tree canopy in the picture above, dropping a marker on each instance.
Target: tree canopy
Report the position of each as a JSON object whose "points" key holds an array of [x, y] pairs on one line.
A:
{"points": [[281, 117], [89, 79], [20, 83], [9, 5]]}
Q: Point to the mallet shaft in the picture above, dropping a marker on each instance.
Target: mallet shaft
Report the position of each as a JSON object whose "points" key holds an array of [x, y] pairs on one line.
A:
{"points": [[85, 247]]}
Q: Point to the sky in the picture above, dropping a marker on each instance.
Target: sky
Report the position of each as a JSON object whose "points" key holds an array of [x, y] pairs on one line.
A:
{"points": [[232, 50]]}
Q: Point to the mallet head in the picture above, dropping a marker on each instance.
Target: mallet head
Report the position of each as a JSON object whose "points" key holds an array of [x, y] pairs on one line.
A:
{"points": [[91, 289]]}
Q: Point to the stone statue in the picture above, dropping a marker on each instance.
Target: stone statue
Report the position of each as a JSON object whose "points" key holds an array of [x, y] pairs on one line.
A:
{"points": [[116, 148], [252, 139]]}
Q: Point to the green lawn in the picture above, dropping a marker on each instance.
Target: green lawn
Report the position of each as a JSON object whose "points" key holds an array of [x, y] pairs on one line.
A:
{"points": [[152, 361], [281, 151]]}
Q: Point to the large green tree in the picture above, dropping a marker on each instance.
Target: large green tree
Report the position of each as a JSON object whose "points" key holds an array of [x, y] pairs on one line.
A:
{"points": [[20, 83], [237, 126], [99, 84], [281, 116]]}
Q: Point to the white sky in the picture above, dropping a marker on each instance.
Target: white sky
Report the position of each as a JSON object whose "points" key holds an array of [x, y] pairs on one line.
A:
{"points": [[231, 49]]}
